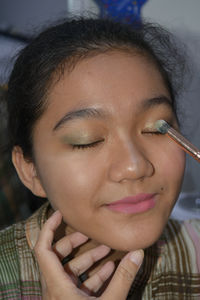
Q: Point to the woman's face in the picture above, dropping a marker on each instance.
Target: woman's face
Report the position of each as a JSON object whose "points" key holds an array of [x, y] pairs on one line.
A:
{"points": [[95, 145]]}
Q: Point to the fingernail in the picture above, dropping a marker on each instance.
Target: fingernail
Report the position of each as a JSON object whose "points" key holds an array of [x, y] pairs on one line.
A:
{"points": [[56, 212], [137, 257]]}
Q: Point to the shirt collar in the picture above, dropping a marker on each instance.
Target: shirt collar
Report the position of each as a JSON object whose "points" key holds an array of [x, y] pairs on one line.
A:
{"points": [[34, 224]]}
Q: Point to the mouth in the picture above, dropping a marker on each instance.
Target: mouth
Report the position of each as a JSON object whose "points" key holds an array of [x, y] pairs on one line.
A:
{"points": [[133, 204]]}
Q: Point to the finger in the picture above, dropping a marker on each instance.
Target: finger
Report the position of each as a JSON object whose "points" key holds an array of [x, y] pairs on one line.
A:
{"points": [[125, 274], [83, 262], [95, 282], [48, 261], [49, 264], [65, 245]]}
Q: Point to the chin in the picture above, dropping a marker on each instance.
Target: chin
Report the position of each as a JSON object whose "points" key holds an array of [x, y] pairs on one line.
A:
{"points": [[131, 246], [134, 240]]}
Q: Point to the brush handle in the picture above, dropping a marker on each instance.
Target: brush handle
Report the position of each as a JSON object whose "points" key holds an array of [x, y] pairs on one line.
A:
{"points": [[184, 143]]}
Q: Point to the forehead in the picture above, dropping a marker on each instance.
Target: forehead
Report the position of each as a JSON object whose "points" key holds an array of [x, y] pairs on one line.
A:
{"points": [[111, 71], [113, 81]]}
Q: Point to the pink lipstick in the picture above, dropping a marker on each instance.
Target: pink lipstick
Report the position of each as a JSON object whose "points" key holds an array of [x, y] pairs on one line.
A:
{"points": [[133, 204]]}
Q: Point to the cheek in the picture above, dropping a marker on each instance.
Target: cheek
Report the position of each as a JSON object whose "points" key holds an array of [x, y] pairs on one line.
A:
{"points": [[171, 164], [70, 180]]}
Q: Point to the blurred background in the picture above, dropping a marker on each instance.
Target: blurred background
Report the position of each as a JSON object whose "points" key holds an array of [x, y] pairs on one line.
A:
{"points": [[21, 19]]}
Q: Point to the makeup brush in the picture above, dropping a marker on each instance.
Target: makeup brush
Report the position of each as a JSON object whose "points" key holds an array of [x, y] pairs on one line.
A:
{"points": [[164, 128]]}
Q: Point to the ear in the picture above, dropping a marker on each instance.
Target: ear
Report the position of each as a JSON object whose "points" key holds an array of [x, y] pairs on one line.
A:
{"points": [[27, 173]]}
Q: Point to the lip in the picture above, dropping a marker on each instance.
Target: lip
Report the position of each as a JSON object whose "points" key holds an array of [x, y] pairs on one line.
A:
{"points": [[133, 204]]}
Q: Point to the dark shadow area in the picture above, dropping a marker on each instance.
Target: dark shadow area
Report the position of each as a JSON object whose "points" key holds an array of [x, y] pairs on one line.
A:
{"points": [[16, 201]]}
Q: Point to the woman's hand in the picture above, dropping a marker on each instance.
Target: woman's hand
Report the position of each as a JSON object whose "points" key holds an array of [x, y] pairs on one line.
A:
{"points": [[60, 282]]}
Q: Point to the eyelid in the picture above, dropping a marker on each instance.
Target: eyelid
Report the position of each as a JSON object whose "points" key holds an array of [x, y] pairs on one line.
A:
{"points": [[150, 126], [89, 145], [150, 131]]}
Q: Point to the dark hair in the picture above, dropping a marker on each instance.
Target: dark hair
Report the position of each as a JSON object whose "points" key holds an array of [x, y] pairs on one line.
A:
{"points": [[63, 45]]}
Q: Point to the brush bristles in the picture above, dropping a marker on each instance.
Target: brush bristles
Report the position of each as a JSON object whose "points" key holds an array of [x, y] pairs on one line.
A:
{"points": [[162, 126]]}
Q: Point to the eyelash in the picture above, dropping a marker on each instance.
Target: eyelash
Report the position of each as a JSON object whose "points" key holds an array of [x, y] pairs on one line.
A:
{"points": [[85, 146], [156, 132], [152, 132]]}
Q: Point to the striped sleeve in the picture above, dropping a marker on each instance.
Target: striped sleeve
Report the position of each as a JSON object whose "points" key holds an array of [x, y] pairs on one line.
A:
{"points": [[176, 274], [9, 266], [15, 259]]}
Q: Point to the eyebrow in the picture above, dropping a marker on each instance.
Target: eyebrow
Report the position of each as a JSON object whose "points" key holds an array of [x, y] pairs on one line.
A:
{"points": [[80, 114], [101, 114], [152, 102]]}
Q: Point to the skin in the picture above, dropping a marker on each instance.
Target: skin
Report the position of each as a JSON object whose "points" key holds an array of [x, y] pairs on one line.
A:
{"points": [[128, 158], [60, 282]]}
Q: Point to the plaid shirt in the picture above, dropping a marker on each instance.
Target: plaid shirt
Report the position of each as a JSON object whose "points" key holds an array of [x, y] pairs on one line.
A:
{"points": [[171, 268]]}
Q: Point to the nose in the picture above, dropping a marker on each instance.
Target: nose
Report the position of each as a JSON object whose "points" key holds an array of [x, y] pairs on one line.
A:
{"points": [[129, 162]]}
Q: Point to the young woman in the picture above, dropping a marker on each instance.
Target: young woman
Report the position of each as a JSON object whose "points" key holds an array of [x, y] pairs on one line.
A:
{"points": [[82, 101]]}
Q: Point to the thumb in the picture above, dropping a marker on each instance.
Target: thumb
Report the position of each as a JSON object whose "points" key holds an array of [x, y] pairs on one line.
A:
{"points": [[124, 276]]}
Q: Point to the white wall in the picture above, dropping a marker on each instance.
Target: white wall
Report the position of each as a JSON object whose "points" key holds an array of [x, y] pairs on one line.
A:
{"points": [[24, 15], [175, 14], [82, 7]]}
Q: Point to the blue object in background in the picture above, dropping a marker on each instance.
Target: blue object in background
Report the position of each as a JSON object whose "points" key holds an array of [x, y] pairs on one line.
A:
{"points": [[127, 11]]}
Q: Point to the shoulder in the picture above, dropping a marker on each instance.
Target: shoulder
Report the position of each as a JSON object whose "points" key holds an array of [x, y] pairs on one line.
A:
{"points": [[188, 230], [194, 224], [19, 273], [8, 243], [176, 272], [183, 244], [9, 259]]}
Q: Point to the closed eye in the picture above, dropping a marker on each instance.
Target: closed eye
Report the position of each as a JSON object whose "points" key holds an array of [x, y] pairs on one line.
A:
{"points": [[85, 146], [152, 132]]}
